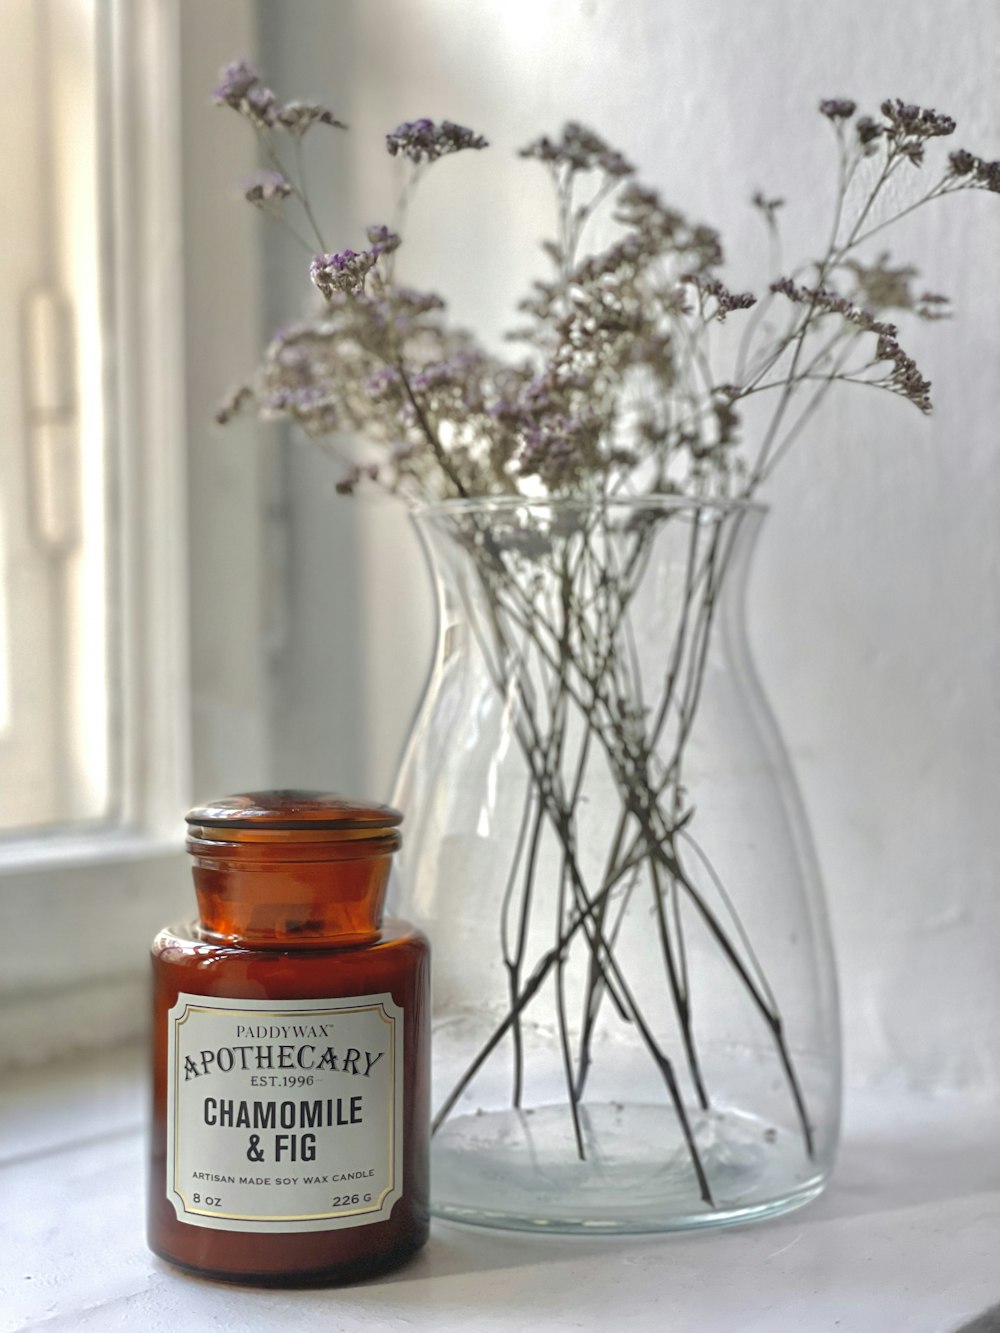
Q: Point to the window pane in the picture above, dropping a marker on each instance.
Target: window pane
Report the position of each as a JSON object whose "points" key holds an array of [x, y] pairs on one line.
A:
{"points": [[54, 697]]}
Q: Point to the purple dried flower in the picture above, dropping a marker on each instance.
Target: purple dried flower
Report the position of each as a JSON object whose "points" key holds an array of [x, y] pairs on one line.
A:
{"points": [[662, 229], [725, 300], [240, 88], [425, 141], [560, 448], [264, 186], [962, 162], [401, 451], [383, 383], [277, 401], [344, 271], [348, 483], [382, 241], [825, 301], [234, 403], [298, 117], [786, 287], [838, 108], [458, 372], [974, 172], [548, 453], [235, 81], [580, 149], [261, 106], [417, 303], [918, 122], [868, 130], [351, 479], [904, 378], [615, 163]]}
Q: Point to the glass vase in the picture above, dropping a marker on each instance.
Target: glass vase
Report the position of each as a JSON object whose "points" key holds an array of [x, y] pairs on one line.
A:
{"points": [[635, 1021]]}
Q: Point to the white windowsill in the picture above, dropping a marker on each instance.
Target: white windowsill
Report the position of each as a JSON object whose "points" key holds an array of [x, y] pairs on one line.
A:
{"points": [[905, 1239], [85, 847]]}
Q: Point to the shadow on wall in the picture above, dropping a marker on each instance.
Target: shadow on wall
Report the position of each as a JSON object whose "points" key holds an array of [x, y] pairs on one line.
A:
{"points": [[987, 1322]]}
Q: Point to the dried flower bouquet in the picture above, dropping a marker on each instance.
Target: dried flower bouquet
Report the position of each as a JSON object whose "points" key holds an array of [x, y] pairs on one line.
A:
{"points": [[624, 388]]}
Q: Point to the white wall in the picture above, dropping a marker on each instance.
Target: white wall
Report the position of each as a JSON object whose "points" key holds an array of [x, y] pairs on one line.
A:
{"points": [[876, 600]]}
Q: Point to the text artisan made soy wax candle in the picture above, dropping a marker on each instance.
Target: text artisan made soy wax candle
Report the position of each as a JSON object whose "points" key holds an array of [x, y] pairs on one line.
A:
{"points": [[290, 1084]]}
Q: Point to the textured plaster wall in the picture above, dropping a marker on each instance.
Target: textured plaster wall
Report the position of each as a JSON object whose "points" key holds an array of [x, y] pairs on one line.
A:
{"points": [[875, 604]]}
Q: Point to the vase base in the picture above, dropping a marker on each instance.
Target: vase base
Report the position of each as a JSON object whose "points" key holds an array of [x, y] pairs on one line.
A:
{"points": [[522, 1170]]}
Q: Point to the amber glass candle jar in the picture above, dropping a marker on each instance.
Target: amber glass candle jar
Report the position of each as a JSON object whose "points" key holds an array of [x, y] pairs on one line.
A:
{"points": [[290, 1050]]}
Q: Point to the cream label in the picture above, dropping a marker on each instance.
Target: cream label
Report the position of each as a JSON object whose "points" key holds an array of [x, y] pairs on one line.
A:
{"points": [[284, 1115]]}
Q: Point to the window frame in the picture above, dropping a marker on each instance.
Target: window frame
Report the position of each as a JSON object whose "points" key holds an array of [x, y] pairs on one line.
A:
{"points": [[80, 904]]}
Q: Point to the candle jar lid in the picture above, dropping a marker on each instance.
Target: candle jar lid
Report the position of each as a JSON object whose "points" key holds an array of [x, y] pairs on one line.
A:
{"points": [[290, 868], [289, 810]]}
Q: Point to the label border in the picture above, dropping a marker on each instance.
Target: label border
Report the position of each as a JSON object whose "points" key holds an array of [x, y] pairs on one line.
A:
{"points": [[186, 1004]]}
